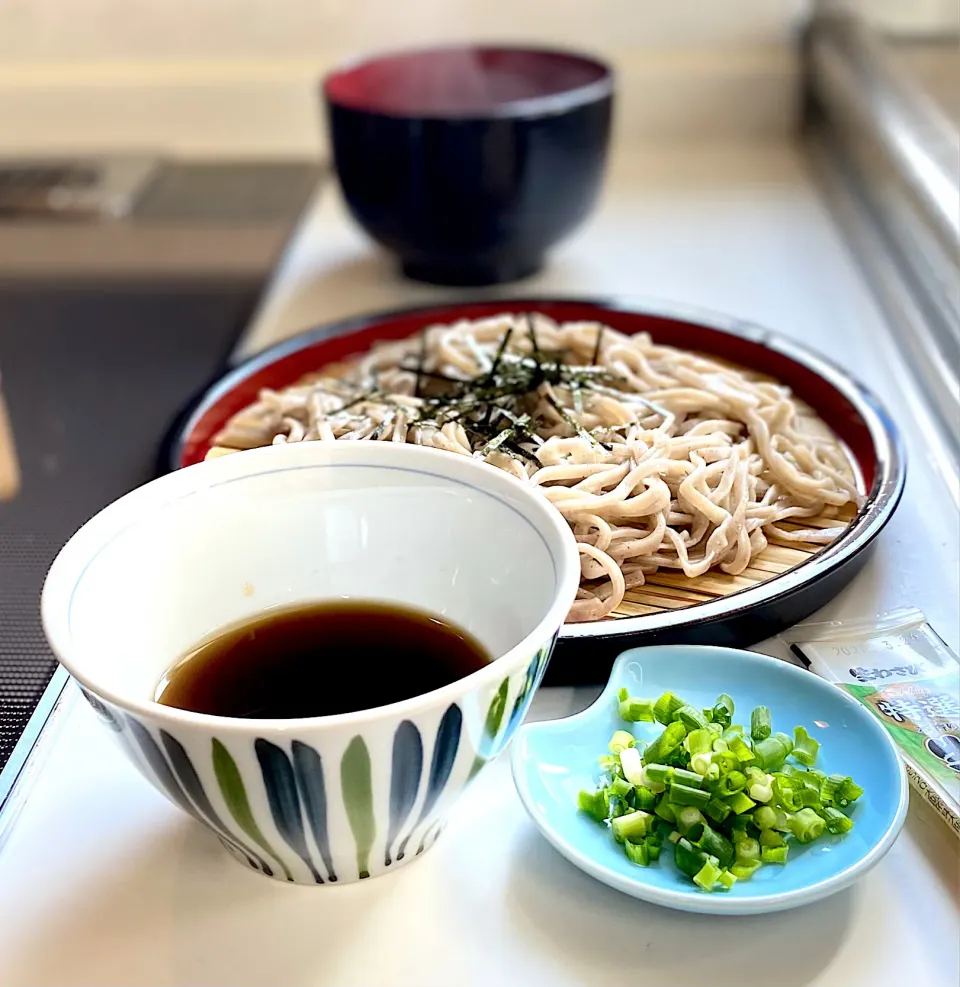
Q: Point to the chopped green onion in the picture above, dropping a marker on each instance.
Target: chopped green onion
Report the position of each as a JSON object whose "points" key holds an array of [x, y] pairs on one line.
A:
{"points": [[743, 871], [645, 799], [760, 727], [698, 784], [621, 788], [806, 825], [637, 853], [723, 710], [620, 740], [836, 821], [665, 707], [786, 741], [727, 879], [774, 854], [849, 792], [595, 804], [717, 810], [690, 822], [747, 851], [661, 748], [691, 718], [610, 764], [631, 825], [738, 747], [770, 754], [701, 762], [770, 837], [805, 747], [716, 845], [698, 742], [680, 794], [631, 765], [666, 811], [765, 817], [707, 876], [635, 710], [739, 802], [730, 783], [687, 857], [685, 777]]}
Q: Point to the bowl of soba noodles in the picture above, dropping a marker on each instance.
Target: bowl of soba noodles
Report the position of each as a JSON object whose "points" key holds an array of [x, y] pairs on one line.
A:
{"points": [[721, 481]]}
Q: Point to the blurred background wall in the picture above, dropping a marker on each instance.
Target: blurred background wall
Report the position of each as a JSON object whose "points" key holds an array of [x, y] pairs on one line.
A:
{"points": [[211, 76]]}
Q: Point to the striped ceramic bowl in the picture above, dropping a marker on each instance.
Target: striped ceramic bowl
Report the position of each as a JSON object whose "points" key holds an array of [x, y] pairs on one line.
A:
{"points": [[334, 798]]}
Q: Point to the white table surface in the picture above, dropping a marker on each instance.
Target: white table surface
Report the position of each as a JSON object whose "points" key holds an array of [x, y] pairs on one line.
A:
{"points": [[102, 882]]}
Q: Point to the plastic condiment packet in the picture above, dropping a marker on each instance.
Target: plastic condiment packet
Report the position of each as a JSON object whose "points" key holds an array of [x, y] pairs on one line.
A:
{"points": [[902, 671]]}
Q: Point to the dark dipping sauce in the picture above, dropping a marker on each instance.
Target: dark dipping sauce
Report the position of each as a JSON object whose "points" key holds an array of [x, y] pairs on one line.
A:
{"points": [[319, 659]]}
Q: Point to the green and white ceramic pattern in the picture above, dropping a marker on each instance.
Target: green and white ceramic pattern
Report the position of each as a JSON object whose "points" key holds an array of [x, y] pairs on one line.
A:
{"points": [[334, 798]]}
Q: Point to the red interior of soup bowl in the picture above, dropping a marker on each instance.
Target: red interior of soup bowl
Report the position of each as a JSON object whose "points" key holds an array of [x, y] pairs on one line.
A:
{"points": [[750, 347], [460, 80]]}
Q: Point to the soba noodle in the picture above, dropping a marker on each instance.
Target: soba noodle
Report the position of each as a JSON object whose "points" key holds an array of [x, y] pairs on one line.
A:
{"points": [[657, 457]]}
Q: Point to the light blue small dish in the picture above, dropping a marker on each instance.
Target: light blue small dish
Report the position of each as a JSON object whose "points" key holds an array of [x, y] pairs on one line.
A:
{"points": [[553, 760]]}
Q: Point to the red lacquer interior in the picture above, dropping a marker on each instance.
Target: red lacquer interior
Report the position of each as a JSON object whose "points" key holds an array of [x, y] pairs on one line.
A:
{"points": [[267, 371], [458, 80]]}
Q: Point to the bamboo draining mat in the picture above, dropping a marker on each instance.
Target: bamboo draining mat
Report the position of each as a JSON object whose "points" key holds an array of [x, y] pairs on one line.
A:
{"points": [[672, 590]]}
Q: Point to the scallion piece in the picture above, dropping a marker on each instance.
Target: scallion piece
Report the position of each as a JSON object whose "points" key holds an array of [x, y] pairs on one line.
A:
{"points": [[631, 765], [725, 760], [680, 794], [805, 747], [666, 811], [690, 822], [687, 857], [774, 855], [770, 837], [644, 798], [836, 821], [684, 777], [637, 853], [786, 741], [661, 748], [717, 810], [765, 817], [635, 710], [760, 727], [738, 747], [665, 707], [770, 754], [747, 851], [631, 825], [691, 718], [727, 879], [849, 792], [620, 740], [723, 710], [716, 845], [743, 871], [698, 742], [740, 802], [621, 788], [731, 783], [707, 876], [806, 825], [595, 804]]}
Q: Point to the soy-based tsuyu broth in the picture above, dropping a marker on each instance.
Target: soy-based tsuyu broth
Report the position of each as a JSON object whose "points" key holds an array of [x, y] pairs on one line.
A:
{"points": [[318, 659]]}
